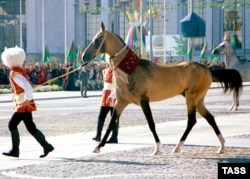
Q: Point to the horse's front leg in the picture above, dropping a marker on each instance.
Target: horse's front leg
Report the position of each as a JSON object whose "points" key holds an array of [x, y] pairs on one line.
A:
{"points": [[114, 121], [147, 111], [118, 108]]}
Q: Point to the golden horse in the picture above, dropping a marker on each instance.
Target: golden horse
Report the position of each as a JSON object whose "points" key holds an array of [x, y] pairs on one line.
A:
{"points": [[142, 81]]}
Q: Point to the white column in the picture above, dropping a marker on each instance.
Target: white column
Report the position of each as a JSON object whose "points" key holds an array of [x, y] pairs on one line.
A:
{"points": [[21, 25], [65, 30]]}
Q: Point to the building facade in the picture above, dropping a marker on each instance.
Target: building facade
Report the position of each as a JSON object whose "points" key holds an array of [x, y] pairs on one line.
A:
{"points": [[56, 23]]}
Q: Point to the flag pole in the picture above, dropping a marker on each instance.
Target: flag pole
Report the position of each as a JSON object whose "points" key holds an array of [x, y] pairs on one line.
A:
{"points": [[164, 32], [141, 42], [43, 28], [190, 39], [151, 31]]}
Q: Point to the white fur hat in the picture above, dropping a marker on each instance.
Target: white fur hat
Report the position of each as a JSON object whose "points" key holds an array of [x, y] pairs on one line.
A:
{"points": [[13, 56]]}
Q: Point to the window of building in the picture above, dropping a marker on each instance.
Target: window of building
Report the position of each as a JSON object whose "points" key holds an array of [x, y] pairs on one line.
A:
{"points": [[233, 23], [10, 28]]}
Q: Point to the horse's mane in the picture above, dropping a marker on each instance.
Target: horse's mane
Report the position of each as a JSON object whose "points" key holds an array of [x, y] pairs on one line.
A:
{"points": [[119, 38]]}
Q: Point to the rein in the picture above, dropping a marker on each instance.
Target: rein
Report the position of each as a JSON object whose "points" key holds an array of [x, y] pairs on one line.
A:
{"points": [[101, 44], [48, 81]]}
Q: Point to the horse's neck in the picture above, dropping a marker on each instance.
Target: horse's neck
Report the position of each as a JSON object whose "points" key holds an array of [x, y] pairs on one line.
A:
{"points": [[119, 56], [231, 60]]}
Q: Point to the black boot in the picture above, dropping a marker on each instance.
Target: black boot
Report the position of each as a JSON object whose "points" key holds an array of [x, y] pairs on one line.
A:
{"points": [[46, 146], [114, 137], [14, 152], [99, 131]]}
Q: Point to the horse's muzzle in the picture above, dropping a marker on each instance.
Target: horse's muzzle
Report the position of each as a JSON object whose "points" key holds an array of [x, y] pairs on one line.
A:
{"points": [[216, 52], [87, 58]]}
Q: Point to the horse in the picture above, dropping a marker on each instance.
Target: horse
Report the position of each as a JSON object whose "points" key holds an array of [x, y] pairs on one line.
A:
{"points": [[232, 81], [231, 60], [141, 81]]}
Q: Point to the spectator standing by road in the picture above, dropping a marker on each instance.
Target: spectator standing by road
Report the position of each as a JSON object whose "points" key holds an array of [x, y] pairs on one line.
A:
{"points": [[84, 78], [69, 79]]}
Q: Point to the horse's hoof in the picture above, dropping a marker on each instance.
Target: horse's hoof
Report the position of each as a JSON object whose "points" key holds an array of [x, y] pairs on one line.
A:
{"points": [[221, 151], [97, 150], [156, 152], [176, 150], [233, 108]]}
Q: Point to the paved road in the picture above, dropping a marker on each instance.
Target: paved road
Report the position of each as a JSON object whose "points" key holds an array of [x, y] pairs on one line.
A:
{"points": [[69, 123]]}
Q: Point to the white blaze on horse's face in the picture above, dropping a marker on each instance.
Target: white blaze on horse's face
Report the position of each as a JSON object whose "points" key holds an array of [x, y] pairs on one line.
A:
{"points": [[221, 48], [95, 47]]}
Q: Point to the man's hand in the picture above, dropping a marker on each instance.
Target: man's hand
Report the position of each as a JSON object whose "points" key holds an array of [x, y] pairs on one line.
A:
{"points": [[109, 100]]}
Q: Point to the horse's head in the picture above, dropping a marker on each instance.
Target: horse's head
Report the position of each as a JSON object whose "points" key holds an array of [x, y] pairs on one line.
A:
{"points": [[96, 46], [103, 42], [221, 48]]}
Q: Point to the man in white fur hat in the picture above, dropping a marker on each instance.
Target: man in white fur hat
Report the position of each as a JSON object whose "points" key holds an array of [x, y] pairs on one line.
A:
{"points": [[23, 102]]}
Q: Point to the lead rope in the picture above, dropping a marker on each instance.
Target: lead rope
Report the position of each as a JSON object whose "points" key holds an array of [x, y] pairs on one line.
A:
{"points": [[48, 81]]}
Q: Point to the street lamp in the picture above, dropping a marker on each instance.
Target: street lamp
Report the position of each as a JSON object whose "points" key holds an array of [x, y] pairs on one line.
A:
{"points": [[75, 8], [86, 3], [2, 5]]}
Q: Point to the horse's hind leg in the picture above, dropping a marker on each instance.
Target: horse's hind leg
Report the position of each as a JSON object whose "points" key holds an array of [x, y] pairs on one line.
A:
{"points": [[210, 119], [190, 124], [235, 104], [147, 112]]}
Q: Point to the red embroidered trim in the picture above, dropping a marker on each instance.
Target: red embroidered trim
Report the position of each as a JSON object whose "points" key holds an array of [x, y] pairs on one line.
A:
{"points": [[129, 63]]}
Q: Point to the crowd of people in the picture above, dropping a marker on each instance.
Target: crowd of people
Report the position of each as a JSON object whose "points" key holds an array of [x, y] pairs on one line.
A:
{"points": [[42, 73]]}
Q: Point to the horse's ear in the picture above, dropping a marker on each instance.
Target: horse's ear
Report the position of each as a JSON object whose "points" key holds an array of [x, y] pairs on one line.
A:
{"points": [[102, 26]]}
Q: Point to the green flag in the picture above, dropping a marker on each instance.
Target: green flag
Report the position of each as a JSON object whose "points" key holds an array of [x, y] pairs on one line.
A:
{"points": [[233, 41], [46, 55], [190, 53], [72, 53], [79, 56], [203, 52], [213, 57]]}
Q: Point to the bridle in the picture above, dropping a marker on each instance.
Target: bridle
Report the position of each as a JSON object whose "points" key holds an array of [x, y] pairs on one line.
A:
{"points": [[111, 56], [100, 46]]}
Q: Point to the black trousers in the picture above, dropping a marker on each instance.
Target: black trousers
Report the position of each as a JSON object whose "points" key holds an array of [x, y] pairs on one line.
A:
{"points": [[103, 113], [26, 117]]}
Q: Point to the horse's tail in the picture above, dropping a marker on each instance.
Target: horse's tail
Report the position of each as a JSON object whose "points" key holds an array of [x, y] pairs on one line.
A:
{"points": [[230, 79]]}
